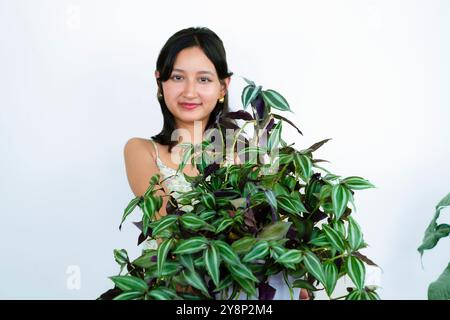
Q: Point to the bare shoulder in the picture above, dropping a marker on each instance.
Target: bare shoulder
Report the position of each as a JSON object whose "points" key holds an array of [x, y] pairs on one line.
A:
{"points": [[140, 164]]}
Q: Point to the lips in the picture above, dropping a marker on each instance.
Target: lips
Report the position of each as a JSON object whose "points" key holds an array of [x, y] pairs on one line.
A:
{"points": [[189, 105]]}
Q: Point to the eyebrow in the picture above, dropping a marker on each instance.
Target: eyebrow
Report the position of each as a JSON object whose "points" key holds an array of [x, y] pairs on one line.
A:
{"points": [[203, 72]]}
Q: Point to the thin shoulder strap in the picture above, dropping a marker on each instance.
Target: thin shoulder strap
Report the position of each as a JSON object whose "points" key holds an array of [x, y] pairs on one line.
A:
{"points": [[156, 148]]}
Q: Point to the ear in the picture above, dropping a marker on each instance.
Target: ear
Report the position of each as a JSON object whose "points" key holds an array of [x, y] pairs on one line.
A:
{"points": [[157, 74], [225, 85]]}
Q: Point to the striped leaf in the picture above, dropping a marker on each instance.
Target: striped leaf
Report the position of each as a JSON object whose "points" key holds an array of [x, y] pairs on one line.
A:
{"points": [[208, 200], [191, 245], [130, 283], [274, 138], [293, 256], [212, 262], [150, 205], [188, 152], [227, 253], [356, 271], [130, 295], [313, 265], [331, 276], [339, 226], [162, 224], [291, 204], [286, 158], [160, 294], [271, 199], [224, 224], [121, 256], [243, 245], [275, 100], [207, 214], [247, 285], [304, 166], [277, 250], [187, 261], [224, 283], [241, 270], [339, 199], [145, 260], [194, 280], [259, 251], [334, 238], [354, 295], [162, 252], [320, 241], [129, 209], [171, 294], [357, 183], [191, 221], [355, 236], [249, 93]]}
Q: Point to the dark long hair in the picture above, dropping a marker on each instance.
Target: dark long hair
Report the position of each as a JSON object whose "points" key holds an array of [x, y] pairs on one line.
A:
{"points": [[213, 48]]}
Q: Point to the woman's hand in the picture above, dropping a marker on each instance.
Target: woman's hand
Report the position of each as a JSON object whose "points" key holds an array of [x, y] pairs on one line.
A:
{"points": [[304, 294]]}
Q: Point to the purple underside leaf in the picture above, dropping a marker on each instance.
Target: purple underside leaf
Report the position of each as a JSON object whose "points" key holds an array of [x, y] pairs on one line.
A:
{"points": [[266, 291], [211, 169], [241, 114]]}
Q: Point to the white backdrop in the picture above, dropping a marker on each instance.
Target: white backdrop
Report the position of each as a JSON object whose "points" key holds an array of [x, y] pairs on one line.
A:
{"points": [[76, 82]]}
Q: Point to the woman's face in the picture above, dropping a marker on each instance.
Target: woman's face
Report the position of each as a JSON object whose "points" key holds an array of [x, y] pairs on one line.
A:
{"points": [[193, 88]]}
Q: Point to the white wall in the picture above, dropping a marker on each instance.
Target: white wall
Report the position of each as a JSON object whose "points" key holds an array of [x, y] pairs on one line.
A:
{"points": [[76, 83]]}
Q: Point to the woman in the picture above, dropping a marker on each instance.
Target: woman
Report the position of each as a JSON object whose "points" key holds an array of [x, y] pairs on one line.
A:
{"points": [[193, 79]]}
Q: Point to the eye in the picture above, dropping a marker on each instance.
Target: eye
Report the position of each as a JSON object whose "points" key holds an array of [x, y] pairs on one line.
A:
{"points": [[204, 79], [176, 77]]}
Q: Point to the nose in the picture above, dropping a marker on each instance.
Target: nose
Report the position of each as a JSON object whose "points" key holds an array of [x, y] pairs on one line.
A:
{"points": [[190, 90]]}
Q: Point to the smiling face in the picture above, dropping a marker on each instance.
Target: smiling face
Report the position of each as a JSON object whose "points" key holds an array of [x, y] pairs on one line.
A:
{"points": [[193, 88]]}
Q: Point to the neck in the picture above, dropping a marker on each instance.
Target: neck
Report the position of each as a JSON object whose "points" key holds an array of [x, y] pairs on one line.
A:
{"points": [[191, 132]]}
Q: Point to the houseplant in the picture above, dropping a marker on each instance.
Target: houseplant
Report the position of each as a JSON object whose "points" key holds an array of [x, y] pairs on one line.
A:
{"points": [[269, 213], [440, 288]]}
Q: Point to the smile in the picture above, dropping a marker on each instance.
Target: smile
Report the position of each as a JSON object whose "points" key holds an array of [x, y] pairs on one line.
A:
{"points": [[190, 106]]}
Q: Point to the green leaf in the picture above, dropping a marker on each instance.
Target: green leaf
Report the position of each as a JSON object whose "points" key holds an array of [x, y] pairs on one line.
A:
{"points": [[208, 200], [355, 236], [354, 295], [191, 221], [130, 295], [440, 289], [320, 241], [194, 279], [145, 260], [224, 283], [339, 198], [274, 138], [314, 267], [274, 231], [243, 245], [271, 199], [187, 154], [300, 283], [357, 183], [224, 224], [163, 224], [334, 238], [249, 93], [435, 232], [121, 256], [275, 100], [150, 206], [129, 209], [162, 252], [130, 283], [187, 261], [259, 251], [242, 271], [304, 166], [227, 253], [331, 276], [291, 204], [247, 285], [162, 293], [293, 256], [356, 271], [212, 263], [250, 82], [191, 245]]}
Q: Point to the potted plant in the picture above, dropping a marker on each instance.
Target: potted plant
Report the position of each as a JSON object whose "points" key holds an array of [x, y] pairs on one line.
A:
{"points": [[275, 211]]}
